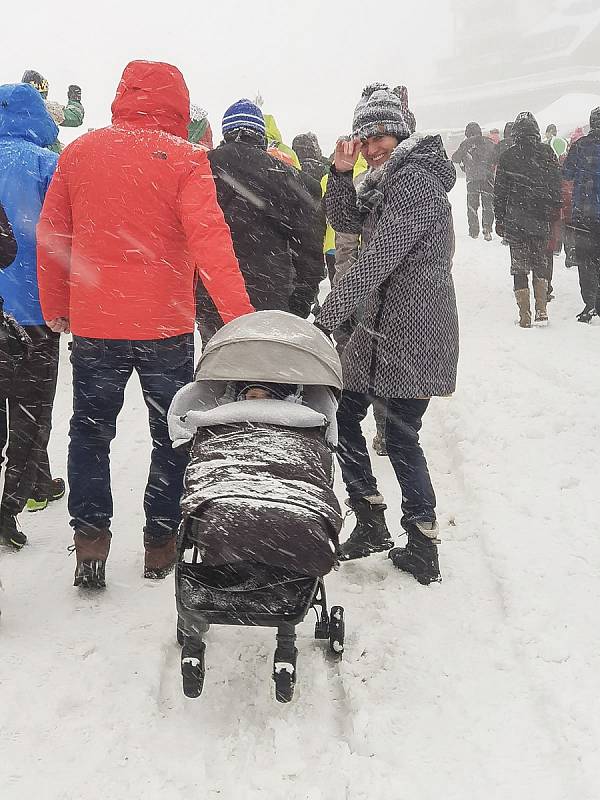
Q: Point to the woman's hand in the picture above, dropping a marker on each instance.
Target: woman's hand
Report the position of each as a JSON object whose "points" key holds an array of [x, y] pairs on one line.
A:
{"points": [[346, 154]]}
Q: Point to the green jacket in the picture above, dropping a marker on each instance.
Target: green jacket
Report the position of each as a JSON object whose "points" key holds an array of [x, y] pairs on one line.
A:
{"points": [[74, 114], [273, 135]]}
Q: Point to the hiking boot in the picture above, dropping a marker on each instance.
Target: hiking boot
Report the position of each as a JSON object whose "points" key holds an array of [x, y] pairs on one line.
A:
{"points": [[370, 534], [379, 445], [487, 236], [10, 534], [587, 314], [522, 297], [160, 556], [474, 235], [91, 548], [540, 293], [420, 556], [57, 490]]}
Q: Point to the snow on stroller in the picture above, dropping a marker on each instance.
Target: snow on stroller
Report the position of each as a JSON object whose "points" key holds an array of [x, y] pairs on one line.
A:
{"points": [[260, 521]]}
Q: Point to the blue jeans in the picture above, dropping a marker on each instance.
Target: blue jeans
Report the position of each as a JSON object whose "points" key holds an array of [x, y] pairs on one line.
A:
{"points": [[101, 369], [402, 425]]}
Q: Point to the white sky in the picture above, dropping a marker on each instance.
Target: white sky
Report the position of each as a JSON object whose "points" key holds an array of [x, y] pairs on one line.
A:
{"points": [[309, 59]]}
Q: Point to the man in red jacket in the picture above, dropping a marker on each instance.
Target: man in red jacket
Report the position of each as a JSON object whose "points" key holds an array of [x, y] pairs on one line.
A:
{"points": [[129, 219]]}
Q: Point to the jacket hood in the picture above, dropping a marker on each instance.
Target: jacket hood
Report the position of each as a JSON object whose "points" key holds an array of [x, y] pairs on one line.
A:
{"points": [[272, 131], [595, 119], [153, 95], [473, 129], [525, 125], [23, 115], [306, 145]]}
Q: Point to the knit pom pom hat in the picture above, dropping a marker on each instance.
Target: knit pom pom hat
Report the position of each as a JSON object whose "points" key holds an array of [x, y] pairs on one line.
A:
{"points": [[379, 113], [244, 114]]}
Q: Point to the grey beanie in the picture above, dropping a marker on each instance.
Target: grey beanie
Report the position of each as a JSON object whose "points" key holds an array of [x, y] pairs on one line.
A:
{"points": [[379, 113]]}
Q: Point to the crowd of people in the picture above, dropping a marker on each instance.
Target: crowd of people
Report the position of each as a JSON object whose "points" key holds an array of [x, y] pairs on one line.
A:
{"points": [[544, 194], [142, 230]]}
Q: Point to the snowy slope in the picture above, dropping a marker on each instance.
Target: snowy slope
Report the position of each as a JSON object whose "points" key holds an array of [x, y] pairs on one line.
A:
{"points": [[482, 687]]}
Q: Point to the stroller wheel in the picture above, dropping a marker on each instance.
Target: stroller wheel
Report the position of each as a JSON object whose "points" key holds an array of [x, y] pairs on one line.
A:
{"points": [[337, 630], [192, 668], [284, 672], [180, 632]]}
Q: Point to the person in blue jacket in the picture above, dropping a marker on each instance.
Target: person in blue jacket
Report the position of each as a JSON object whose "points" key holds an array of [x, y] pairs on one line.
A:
{"points": [[26, 169]]}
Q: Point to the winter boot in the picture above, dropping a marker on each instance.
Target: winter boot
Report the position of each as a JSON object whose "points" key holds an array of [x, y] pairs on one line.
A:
{"points": [[523, 299], [540, 293], [587, 314], [370, 534], [487, 235], [91, 548], [420, 556], [57, 490], [10, 534], [160, 556]]}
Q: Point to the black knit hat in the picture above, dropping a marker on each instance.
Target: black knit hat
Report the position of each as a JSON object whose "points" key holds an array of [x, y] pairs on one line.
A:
{"points": [[379, 113], [37, 81]]}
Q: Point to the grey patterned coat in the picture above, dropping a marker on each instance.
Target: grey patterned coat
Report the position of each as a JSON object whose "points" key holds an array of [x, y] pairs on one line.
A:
{"points": [[406, 344]]}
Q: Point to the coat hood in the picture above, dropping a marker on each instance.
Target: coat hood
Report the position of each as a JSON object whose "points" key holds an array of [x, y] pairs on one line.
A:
{"points": [[525, 125], [272, 131], [153, 95], [23, 115], [473, 129], [306, 145]]}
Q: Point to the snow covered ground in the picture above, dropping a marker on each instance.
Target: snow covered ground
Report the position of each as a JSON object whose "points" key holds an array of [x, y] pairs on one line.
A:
{"points": [[483, 686]]}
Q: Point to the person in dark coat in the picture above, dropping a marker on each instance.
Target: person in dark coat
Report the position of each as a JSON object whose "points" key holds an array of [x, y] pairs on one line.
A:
{"points": [[527, 201], [8, 243], [503, 144], [306, 146], [404, 349], [582, 171], [475, 156], [276, 223]]}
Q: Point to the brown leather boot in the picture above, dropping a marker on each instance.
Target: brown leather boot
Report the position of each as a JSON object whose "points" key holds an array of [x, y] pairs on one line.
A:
{"points": [[522, 297], [91, 548], [160, 556], [540, 292]]}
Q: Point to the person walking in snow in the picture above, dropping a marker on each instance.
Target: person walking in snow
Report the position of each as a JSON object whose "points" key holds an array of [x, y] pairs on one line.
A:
{"points": [[405, 349], [130, 218], [306, 146], [581, 171], [475, 156], [276, 225], [557, 143], [527, 201], [69, 115], [26, 168]]}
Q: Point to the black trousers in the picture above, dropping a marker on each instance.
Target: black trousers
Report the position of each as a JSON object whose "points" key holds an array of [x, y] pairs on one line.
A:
{"points": [[30, 399], [587, 250]]}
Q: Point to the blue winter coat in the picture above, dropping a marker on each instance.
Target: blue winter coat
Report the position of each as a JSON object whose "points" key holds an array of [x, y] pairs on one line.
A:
{"points": [[26, 168], [582, 166]]}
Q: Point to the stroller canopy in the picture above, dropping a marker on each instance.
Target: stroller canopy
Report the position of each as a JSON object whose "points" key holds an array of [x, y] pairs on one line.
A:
{"points": [[271, 346]]}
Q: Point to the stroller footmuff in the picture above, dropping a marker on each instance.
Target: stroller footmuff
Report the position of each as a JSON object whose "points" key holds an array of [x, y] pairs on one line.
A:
{"points": [[260, 519]]}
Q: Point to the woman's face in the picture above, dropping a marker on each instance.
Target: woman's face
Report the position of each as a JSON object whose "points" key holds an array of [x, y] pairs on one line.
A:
{"points": [[377, 149]]}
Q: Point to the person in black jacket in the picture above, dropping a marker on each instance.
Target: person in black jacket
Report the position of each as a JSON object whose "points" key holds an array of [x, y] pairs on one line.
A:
{"points": [[475, 156], [275, 222], [503, 144], [306, 146], [8, 243], [527, 201]]}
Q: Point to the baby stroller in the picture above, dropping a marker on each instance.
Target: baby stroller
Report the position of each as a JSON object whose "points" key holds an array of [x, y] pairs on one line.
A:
{"points": [[259, 518]]}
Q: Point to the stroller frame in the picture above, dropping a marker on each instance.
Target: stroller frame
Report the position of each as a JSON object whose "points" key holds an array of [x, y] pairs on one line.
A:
{"points": [[201, 602]]}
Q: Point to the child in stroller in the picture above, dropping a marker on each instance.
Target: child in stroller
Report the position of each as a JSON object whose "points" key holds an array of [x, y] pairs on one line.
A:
{"points": [[259, 513]]}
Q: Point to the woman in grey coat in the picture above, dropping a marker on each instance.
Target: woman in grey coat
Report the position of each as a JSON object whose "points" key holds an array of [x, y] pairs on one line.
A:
{"points": [[405, 348]]}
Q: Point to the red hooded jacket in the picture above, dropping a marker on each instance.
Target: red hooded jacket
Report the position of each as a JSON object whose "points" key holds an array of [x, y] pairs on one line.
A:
{"points": [[129, 217]]}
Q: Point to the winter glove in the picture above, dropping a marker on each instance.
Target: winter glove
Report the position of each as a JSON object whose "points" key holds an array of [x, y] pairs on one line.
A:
{"points": [[74, 93], [300, 303], [500, 229]]}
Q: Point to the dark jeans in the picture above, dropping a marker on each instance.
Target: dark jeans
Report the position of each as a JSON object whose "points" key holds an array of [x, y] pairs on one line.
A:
{"points": [[402, 425], [480, 191], [101, 369], [30, 401], [587, 249]]}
